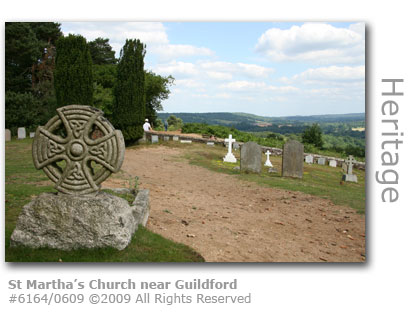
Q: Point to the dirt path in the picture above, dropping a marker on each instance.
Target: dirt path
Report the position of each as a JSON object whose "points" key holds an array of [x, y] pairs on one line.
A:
{"points": [[227, 219]]}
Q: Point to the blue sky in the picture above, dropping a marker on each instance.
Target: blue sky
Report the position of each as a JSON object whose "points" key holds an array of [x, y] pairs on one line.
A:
{"points": [[264, 68]]}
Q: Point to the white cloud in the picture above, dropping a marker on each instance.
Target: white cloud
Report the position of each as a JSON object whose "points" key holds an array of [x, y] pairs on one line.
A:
{"points": [[153, 34], [333, 73], [238, 69], [261, 86], [176, 68], [189, 83], [319, 43]]}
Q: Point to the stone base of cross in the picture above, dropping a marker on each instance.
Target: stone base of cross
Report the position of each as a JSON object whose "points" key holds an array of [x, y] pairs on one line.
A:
{"points": [[268, 162], [229, 157]]}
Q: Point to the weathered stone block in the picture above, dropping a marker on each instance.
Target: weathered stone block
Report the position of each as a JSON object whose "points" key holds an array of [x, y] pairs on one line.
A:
{"points": [[69, 222], [250, 157], [293, 159]]}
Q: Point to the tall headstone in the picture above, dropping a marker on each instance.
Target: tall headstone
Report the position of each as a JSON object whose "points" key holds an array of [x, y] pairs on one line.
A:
{"points": [[250, 157], [349, 176], [229, 157], [21, 133], [332, 163], [7, 135], [309, 159], [293, 159], [268, 162]]}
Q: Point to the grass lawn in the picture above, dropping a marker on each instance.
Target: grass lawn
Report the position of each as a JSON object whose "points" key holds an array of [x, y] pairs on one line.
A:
{"points": [[23, 182], [318, 180]]}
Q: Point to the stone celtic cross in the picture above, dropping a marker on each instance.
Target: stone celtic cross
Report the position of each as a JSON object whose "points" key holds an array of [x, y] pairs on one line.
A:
{"points": [[350, 162], [88, 144]]}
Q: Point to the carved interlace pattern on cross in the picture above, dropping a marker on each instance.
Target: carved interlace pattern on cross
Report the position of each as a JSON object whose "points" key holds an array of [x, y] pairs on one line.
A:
{"points": [[88, 161]]}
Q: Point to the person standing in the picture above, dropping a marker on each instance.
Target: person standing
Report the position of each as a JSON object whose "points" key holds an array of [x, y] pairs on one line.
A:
{"points": [[147, 126], [166, 125]]}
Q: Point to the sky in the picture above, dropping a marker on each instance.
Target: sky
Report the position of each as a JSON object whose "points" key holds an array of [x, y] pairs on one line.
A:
{"points": [[263, 68]]}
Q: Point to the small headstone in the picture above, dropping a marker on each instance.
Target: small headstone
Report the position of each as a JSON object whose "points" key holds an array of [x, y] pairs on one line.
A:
{"points": [[236, 146], [185, 141], [7, 135], [321, 161], [229, 157], [309, 159], [272, 170], [21, 133], [165, 138], [155, 139], [349, 176], [344, 167], [293, 159], [250, 157], [32, 134], [209, 143], [333, 163], [175, 138], [268, 162]]}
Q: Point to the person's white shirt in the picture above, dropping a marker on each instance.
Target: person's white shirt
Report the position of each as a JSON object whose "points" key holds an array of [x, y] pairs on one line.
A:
{"points": [[146, 126]]}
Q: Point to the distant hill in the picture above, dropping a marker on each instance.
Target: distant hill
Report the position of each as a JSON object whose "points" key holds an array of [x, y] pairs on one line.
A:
{"points": [[234, 119]]}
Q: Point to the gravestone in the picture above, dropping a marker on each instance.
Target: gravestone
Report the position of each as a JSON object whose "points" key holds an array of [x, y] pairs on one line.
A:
{"points": [[309, 159], [165, 138], [32, 134], [322, 161], [21, 133], [268, 162], [349, 176], [79, 215], [250, 157], [185, 141], [293, 159], [229, 157], [236, 146], [332, 163], [7, 135], [175, 138], [210, 143], [344, 167], [154, 138]]}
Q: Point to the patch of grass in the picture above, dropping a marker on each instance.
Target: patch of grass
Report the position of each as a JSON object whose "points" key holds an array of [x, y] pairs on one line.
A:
{"points": [[321, 181], [23, 182]]}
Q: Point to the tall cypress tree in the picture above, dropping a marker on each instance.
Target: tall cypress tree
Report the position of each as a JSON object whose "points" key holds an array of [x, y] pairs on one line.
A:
{"points": [[129, 91], [73, 71]]}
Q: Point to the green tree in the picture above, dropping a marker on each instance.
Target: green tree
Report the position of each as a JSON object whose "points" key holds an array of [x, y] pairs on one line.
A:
{"points": [[101, 51], [174, 122], [129, 91], [22, 50], [156, 90], [313, 135], [73, 71]]}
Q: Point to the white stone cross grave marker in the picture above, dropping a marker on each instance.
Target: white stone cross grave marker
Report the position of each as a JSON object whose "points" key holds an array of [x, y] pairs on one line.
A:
{"points": [[268, 162], [229, 157], [350, 162], [349, 176]]}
